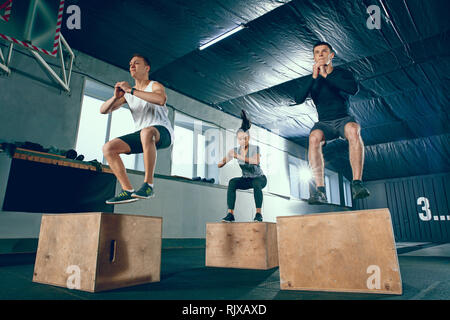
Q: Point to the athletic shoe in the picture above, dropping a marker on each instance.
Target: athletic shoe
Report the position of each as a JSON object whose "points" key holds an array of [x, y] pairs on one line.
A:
{"points": [[317, 197], [123, 197], [358, 190], [144, 192], [258, 217], [228, 218]]}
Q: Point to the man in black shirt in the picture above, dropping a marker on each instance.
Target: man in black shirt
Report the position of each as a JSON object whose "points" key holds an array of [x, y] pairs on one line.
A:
{"points": [[326, 86]]}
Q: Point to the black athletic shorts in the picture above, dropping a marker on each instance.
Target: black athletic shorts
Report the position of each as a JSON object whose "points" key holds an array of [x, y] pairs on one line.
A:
{"points": [[134, 140], [333, 129]]}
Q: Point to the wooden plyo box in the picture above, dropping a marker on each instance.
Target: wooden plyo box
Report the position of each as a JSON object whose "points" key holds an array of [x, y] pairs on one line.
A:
{"points": [[98, 251], [350, 251], [244, 245]]}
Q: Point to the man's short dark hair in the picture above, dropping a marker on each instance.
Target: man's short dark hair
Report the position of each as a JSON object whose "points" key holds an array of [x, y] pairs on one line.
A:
{"points": [[321, 43], [146, 60]]}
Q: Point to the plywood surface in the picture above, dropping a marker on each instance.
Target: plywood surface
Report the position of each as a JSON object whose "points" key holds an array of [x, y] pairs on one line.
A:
{"points": [[338, 252], [110, 250], [64, 241], [137, 256], [247, 245], [35, 156]]}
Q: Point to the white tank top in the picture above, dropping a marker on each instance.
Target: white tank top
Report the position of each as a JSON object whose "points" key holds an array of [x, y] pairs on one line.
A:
{"points": [[146, 114]]}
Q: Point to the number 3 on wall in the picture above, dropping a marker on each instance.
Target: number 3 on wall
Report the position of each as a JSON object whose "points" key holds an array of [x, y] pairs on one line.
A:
{"points": [[426, 208]]}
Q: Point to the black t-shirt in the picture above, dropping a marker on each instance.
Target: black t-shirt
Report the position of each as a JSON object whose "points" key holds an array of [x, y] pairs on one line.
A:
{"points": [[327, 93]]}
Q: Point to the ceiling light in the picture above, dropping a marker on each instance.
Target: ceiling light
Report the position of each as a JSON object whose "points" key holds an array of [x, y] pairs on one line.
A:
{"points": [[225, 35]]}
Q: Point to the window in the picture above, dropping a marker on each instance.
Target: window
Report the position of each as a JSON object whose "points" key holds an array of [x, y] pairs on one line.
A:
{"points": [[183, 159], [328, 188], [294, 180], [305, 179], [347, 193], [92, 130], [201, 156], [300, 177], [273, 164], [332, 187], [196, 149], [95, 129]]}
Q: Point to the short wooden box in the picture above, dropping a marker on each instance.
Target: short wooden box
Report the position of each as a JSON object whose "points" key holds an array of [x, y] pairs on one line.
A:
{"points": [[245, 245], [350, 251], [98, 251]]}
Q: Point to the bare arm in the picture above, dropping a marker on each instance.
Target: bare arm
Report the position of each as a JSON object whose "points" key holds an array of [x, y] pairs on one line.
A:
{"points": [[112, 104], [230, 156], [115, 102], [157, 96]]}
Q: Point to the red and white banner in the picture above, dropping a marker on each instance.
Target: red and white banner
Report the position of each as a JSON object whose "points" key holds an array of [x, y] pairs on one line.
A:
{"points": [[5, 10]]}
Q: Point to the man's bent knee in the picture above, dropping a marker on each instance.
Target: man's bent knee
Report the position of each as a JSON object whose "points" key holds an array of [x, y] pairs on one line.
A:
{"points": [[115, 147], [149, 134], [315, 139], [352, 132], [108, 149]]}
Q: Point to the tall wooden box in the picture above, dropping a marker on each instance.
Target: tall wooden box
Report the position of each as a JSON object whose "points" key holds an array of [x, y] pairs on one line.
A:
{"points": [[350, 251], [98, 251], [245, 245]]}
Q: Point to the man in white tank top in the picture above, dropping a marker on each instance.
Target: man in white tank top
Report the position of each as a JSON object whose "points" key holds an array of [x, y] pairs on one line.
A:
{"points": [[147, 102]]}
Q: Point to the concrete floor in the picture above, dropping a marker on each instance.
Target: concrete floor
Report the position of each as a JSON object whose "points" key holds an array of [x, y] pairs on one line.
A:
{"points": [[425, 272]]}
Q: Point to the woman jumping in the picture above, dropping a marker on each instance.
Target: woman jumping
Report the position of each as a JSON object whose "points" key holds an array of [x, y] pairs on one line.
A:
{"points": [[248, 157]]}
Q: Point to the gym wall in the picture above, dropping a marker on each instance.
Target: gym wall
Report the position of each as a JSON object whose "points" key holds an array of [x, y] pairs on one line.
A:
{"points": [[419, 206]]}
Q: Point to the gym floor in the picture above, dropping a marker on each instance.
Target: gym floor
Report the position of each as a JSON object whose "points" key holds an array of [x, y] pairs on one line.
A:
{"points": [[425, 272]]}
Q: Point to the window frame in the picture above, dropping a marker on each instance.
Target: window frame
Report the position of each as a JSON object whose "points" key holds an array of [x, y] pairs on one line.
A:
{"points": [[87, 93], [196, 123]]}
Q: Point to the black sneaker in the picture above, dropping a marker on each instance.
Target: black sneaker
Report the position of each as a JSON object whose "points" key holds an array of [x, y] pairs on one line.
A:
{"points": [[258, 217], [123, 197], [144, 192], [228, 218], [358, 190], [317, 197]]}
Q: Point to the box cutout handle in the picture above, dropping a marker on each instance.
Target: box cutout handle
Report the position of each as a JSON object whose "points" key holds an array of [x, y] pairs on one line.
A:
{"points": [[112, 252]]}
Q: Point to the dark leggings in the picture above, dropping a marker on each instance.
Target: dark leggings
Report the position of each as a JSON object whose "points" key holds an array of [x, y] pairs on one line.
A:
{"points": [[257, 184]]}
